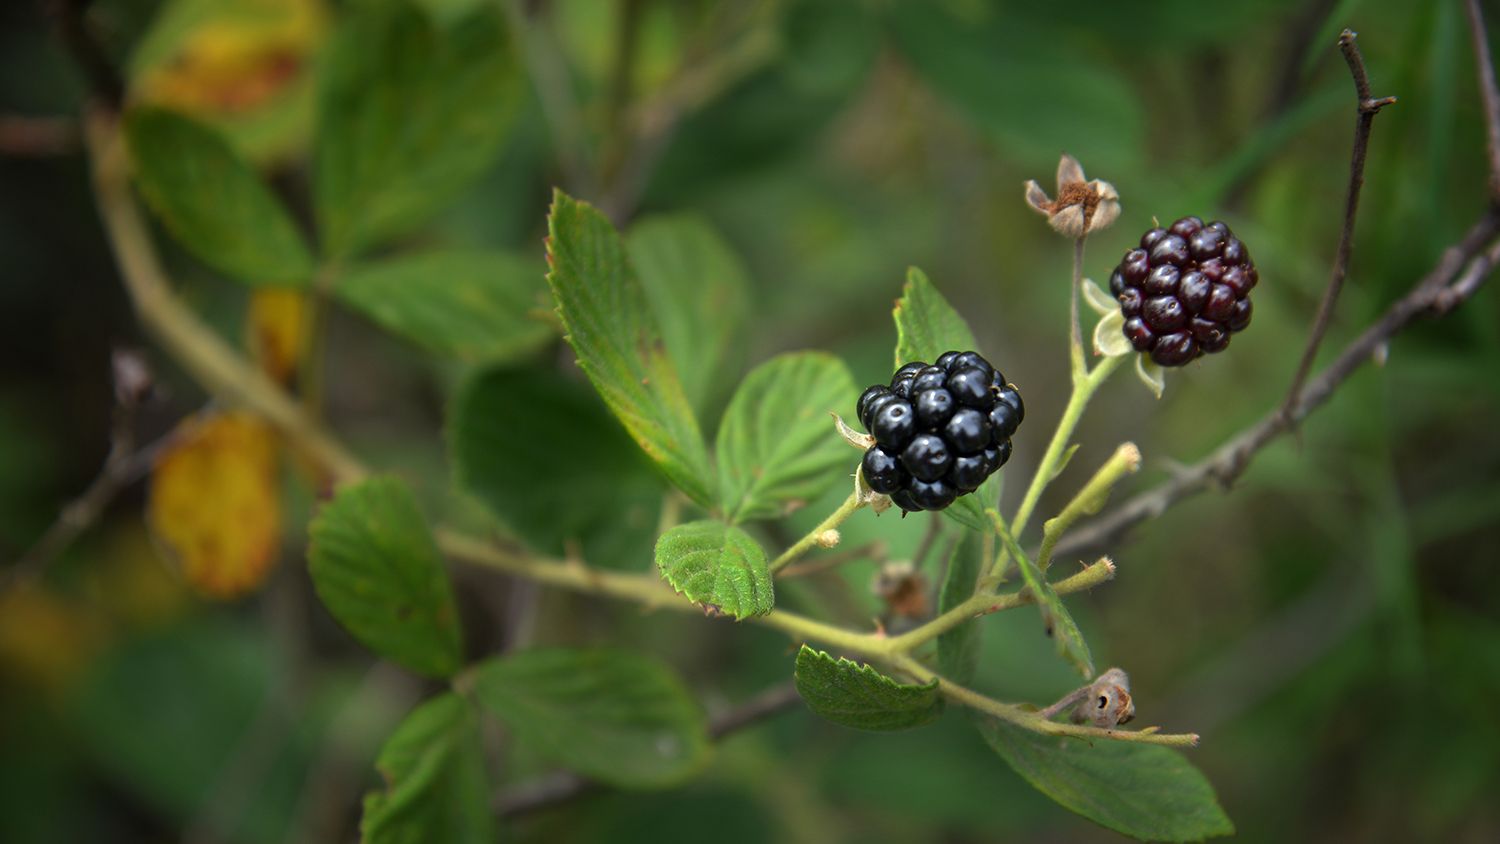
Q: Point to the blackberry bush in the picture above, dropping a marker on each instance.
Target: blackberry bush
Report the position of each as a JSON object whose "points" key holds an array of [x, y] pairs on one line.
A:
{"points": [[1185, 290], [940, 430]]}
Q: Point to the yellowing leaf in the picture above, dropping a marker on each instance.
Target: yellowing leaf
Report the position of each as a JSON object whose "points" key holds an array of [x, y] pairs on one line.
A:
{"points": [[277, 330], [242, 65], [214, 504]]}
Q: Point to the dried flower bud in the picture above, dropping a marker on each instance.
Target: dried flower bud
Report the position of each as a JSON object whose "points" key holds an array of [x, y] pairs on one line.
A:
{"points": [[1108, 703], [1082, 206], [903, 589]]}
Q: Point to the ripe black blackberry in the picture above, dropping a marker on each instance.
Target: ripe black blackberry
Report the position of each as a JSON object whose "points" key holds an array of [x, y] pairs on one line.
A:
{"points": [[940, 430], [1185, 290]]}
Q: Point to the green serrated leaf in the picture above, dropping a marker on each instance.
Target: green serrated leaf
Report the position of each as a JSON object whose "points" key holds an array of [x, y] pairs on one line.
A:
{"points": [[1145, 791], [614, 715], [585, 480], [854, 695], [408, 116], [213, 202], [776, 445], [717, 564], [700, 292], [375, 566], [611, 326], [926, 325], [477, 306], [435, 783], [1055, 616], [958, 648]]}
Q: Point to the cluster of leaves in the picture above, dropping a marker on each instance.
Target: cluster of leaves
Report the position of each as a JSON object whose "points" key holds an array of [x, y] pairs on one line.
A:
{"points": [[409, 113]]}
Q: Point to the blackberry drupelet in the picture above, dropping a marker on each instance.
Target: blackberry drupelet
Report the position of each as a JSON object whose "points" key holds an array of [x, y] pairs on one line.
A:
{"points": [[939, 430], [1185, 290]]}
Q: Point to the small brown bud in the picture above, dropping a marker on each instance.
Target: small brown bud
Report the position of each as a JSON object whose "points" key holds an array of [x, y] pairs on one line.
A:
{"points": [[903, 589]]}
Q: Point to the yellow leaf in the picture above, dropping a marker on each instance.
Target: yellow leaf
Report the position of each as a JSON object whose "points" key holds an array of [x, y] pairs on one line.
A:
{"points": [[242, 65], [215, 505], [277, 329]]}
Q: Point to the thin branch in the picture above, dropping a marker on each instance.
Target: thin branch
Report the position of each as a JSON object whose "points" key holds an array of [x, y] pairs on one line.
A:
{"points": [[23, 136], [1460, 272], [874, 549], [564, 786], [207, 357], [124, 464], [1367, 107], [1490, 96]]}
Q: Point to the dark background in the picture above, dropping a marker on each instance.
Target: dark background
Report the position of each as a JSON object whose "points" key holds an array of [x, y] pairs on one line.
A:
{"points": [[1329, 625]]}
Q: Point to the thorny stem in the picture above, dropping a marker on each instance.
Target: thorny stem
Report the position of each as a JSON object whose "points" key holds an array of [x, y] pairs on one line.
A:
{"points": [[1367, 107], [1084, 388], [802, 545]]}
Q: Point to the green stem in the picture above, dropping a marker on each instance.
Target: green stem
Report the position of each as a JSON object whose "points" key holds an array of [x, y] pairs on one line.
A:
{"points": [[1075, 329], [1084, 388], [984, 604], [1089, 500], [1029, 719], [834, 519]]}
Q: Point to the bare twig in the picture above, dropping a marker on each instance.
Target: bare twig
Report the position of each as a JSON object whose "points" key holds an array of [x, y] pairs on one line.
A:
{"points": [[1460, 272], [123, 465], [563, 786], [1488, 93], [23, 136], [1367, 107]]}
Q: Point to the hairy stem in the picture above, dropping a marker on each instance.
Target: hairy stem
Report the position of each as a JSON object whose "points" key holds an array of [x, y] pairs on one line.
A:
{"points": [[1075, 328], [984, 604], [1032, 720], [1084, 388], [802, 545], [1090, 499]]}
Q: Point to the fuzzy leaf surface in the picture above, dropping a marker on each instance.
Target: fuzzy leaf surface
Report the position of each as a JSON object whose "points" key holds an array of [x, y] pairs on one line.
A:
{"points": [[408, 116], [614, 715], [855, 695], [700, 292], [717, 564], [375, 566], [213, 202], [611, 326], [543, 454], [435, 783], [776, 446], [475, 306], [1145, 791]]}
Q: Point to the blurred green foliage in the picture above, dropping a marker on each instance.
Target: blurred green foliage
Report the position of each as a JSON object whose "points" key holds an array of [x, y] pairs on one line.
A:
{"points": [[1329, 625]]}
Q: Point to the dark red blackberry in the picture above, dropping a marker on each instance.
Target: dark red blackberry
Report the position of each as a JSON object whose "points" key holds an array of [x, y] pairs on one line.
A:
{"points": [[939, 430], [1185, 290]]}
